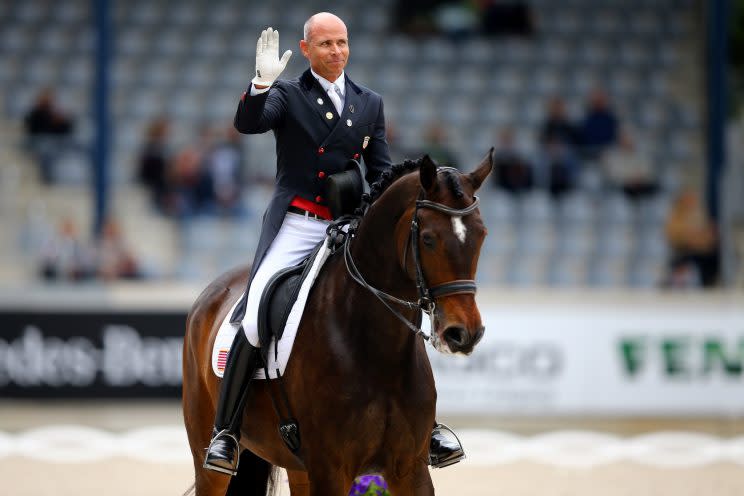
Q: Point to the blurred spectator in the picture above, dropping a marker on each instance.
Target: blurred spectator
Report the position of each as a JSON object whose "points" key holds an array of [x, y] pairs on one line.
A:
{"points": [[398, 153], [416, 17], [693, 240], [630, 169], [599, 129], [506, 18], [115, 260], [436, 145], [557, 166], [48, 133], [224, 174], [456, 20], [187, 188], [460, 19], [557, 127], [153, 161], [65, 257], [513, 172]]}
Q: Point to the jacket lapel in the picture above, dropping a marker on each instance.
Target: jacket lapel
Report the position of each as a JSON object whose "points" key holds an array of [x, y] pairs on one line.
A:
{"points": [[353, 99], [314, 93]]}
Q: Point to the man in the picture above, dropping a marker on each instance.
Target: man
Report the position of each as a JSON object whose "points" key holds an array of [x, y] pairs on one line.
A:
{"points": [[48, 133], [321, 120], [557, 165], [600, 128], [435, 141], [513, 169]]}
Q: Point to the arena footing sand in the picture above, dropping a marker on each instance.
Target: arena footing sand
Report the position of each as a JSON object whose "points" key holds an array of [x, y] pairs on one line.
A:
{"points": [[96, 449], [120, 477]]}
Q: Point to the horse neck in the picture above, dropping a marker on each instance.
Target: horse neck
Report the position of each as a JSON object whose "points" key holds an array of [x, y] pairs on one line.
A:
{"points": [[375, 254]]}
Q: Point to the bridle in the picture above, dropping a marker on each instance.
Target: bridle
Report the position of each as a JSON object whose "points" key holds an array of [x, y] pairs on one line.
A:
{"points": [[427, 296]]}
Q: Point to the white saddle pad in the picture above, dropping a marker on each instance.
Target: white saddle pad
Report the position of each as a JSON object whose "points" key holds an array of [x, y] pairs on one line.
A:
{"points": [[227, 331]]}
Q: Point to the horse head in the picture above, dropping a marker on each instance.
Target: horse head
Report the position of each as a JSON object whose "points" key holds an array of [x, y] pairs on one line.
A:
{"points": [[440, 240]]}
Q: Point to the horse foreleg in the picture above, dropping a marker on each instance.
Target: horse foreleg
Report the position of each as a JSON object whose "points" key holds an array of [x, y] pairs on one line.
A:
{"points": [[299, 484], [416, 483], [198, 415], [328, 483], [209, 483]]}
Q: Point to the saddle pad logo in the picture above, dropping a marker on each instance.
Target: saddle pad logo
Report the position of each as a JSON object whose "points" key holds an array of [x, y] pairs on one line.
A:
{"points": [[278, 353], [222, 360]]}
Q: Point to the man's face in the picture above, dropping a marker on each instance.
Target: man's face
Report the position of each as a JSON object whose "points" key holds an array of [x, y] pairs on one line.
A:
{"points": [[327, 48]]}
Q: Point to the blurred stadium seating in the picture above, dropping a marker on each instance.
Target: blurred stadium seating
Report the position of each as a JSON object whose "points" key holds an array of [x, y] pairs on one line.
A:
{"points": [[192, 59]]}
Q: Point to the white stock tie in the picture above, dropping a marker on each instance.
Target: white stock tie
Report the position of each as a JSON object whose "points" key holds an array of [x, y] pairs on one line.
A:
{"points": [[334, 93]]}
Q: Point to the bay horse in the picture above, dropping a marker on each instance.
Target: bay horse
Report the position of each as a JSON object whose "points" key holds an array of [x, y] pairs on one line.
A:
{"points": [[359, 380]]}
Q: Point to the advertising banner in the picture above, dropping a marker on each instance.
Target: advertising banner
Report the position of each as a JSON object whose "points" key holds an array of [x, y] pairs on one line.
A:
{"points": [[85, 354], [588, 356], [604, 359]]}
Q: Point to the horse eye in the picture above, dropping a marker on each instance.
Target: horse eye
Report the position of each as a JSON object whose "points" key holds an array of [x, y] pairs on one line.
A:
{"points": [[427, 239]]}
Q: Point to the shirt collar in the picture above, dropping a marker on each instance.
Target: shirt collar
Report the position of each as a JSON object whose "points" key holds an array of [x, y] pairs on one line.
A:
{"points": [[326, 85]]}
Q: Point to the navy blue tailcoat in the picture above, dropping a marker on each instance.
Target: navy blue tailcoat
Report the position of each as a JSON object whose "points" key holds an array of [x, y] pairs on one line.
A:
{"points": [[312, 142]]}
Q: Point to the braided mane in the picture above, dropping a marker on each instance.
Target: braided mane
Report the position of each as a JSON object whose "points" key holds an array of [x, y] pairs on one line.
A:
{"points": [[454, 183], [395, 172], [383, 183]]}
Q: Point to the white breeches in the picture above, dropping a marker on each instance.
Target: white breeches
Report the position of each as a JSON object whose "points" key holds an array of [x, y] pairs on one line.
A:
{"points": [[294, 242]]}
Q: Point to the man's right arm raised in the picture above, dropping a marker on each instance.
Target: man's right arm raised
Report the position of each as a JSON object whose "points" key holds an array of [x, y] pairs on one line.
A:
{"points": [[262, 112], [261, 109]]}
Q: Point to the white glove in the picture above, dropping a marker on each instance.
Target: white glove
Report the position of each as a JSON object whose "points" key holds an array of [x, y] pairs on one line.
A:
{"points": [[268, 63]]}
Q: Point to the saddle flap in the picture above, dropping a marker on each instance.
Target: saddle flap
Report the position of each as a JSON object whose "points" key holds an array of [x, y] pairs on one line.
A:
{"points": [[277, 300]]}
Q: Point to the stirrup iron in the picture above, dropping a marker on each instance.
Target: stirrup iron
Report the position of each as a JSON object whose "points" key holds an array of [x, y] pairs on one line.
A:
{"points": [[224, 433], [435, 462]]}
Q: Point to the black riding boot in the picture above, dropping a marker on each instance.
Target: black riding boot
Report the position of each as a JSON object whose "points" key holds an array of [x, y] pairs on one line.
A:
{"points": [[242, 362], [444, 451]]}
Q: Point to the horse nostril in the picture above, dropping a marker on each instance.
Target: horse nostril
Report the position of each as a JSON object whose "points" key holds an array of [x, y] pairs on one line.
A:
{"points": [[479, 335], [456, 337]]}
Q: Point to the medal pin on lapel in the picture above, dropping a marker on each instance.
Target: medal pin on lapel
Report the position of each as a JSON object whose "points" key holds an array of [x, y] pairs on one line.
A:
{"points": [[351, 108], [365, 142]]}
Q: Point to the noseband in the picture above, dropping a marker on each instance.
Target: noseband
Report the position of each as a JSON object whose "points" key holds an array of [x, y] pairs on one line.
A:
{"points": [[427, 296]]}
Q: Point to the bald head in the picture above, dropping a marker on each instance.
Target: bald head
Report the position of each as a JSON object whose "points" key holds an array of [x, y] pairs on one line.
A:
{"points": [[324, 20], [326, 45]]}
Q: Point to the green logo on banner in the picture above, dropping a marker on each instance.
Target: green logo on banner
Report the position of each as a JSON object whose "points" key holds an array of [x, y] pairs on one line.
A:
{"points": [[682, 357]]}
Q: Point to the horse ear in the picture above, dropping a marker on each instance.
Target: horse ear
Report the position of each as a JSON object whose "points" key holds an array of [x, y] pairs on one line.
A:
{"points": [[428, 173], [482, 171]]}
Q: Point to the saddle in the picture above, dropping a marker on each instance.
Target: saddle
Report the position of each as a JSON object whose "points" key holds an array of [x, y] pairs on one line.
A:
{"points": [[277, 300]]}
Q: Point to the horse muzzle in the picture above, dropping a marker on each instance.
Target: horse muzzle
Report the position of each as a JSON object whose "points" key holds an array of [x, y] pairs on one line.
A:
{"points": [[456, 340], [460, 340], [457, 325]]}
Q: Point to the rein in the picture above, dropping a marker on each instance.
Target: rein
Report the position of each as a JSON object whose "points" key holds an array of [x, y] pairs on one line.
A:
{"points": [[427, 296]]}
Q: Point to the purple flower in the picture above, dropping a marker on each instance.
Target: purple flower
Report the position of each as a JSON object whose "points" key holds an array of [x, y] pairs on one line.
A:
{"points": [[369, 485]]}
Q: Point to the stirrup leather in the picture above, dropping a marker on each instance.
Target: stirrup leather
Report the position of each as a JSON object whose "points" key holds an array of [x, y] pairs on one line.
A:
{"points": [[221, 435], [457, 453]]}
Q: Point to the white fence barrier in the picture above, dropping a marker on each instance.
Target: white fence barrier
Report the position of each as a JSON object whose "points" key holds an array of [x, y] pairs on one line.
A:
{"points": [[543, 353], [601, 354]]}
